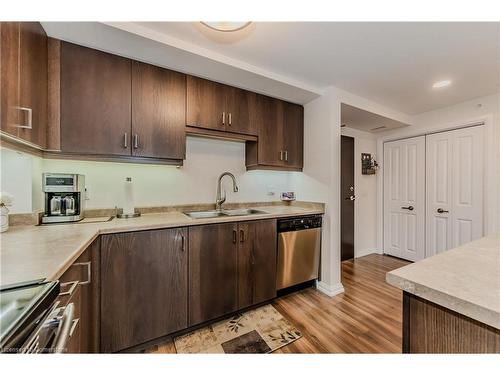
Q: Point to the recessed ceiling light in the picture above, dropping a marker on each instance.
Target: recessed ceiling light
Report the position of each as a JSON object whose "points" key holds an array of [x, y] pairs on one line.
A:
{"points": [[226, 26], [443, 83]]}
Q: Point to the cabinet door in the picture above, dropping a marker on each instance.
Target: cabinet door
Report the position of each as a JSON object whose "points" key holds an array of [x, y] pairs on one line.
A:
{"points": [[267, 116], [95, 102], [158, 112], [9, 66], [238, 111], [205, 104], [85, 296], [212, 271], [33, 82], [293, 135], [144, 278], [256, 262], [24, 81]]}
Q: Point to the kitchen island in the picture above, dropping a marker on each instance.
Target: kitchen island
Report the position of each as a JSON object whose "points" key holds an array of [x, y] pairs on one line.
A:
{"points": [[451, 301]]}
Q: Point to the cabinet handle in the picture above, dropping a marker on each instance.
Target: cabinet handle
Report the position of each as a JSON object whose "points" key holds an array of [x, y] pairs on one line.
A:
{"points": [[30, 118], [183, 245], [230, 118], [409, 208], [286, 155], [136, 141], [234, 235], [441, 211], [71, 290], [125, 140], [242, 235], [89, 271], [73, 326], [281, 154], [223, 118]]}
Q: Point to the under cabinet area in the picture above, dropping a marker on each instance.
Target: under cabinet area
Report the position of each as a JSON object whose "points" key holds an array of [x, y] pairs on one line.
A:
{"points": [[144, 286]]}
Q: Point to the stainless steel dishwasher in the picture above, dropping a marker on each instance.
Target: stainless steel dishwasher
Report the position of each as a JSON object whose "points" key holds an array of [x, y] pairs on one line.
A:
{"points": [[299, 246]]}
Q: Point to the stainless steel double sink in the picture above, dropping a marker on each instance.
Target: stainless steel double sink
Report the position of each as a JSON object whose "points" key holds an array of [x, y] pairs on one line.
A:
{"points": [[222, 213]]}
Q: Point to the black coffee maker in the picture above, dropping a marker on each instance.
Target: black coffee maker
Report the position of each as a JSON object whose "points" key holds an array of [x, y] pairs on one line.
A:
{"points": [[63, 197]]}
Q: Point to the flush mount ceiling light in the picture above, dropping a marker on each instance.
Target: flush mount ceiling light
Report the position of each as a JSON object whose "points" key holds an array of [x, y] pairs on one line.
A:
{"points": [[226, 26], [440, 84]]}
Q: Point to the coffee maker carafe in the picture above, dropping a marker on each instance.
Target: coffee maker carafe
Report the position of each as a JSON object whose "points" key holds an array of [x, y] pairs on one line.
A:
{"points": [[63, 197]]}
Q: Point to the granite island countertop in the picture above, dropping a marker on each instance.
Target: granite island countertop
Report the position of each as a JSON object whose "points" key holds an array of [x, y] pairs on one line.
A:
{"points": [[31, 252], [465, 279]]}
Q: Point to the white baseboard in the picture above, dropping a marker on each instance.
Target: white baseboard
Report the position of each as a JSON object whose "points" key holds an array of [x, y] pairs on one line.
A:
{"points": [[362, 252], [329, 290]]}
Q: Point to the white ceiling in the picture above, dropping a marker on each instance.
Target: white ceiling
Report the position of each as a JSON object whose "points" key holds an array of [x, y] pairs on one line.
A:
{"points": [[356, 118], [393, 64]]}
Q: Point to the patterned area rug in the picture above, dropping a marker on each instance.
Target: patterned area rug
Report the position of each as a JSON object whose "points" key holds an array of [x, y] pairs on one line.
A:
{"points": [[262, 330]]}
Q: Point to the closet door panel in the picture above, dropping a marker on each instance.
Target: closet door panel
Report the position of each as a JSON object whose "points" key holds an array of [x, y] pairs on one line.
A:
{"points": [[468, 161], [438, 193], [404, 198], [455, 162]]}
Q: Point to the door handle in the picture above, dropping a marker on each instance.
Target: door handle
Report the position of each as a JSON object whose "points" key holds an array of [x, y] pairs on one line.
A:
{"points": [[183, 242], [223, 118], [441, 211], [409, 208], [234, 235], [125, 140], [281, 154], [230, 118], [242, 235], [136, 141], [286, 155]]}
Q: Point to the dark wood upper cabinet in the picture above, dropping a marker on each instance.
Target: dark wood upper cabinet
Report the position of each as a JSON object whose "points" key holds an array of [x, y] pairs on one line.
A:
{"points": [[24, 81], [214, 106], [95, 102], [256, 262], [238, 111], [158, 112], [144, 286], [205, 104], [212, 271], [280, 134], [293, 135]]}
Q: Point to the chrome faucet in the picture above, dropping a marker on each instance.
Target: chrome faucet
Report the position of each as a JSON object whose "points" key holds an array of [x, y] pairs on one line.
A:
{"points": [[219, 199]]}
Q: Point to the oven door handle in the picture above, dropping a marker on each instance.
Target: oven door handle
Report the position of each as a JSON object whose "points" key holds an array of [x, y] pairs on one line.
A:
{"points": [[63, 333]]}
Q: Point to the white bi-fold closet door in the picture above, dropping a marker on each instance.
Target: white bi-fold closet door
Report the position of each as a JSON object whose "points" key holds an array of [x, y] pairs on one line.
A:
{"points": [[454, 188], [404, 198], [433, 192]]}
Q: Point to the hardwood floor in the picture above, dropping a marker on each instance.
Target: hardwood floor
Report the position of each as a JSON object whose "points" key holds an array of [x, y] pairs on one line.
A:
{"points": [[366, 318]]}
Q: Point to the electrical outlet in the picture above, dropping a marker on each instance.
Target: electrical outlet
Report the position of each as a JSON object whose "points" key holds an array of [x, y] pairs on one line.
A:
{"points": [[87, 193]]}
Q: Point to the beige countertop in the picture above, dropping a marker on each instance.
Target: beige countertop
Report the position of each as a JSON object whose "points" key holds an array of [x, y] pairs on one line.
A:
{"points": [[465, 279], [45, 252]]}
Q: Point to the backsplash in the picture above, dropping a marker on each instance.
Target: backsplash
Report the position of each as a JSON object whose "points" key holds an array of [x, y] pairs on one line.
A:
{"points": [[154, 185]]}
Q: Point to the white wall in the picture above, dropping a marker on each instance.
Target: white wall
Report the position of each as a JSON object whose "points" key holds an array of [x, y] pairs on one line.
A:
{"points": [[485, 109], [154, 185], [320, 180], [365, 189]]}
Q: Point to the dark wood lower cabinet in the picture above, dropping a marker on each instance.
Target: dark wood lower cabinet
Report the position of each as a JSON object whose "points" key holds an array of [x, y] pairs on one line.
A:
{"points": [[256, 262], [80, 286], [144, 285], [430, 328], [212, 271]]}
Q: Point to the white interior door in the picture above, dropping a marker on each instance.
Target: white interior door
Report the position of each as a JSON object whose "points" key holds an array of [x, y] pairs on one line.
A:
{"points": [[455, 161], [404, 198]]}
